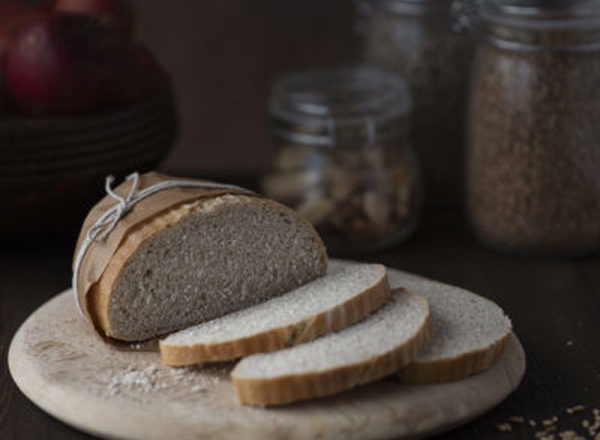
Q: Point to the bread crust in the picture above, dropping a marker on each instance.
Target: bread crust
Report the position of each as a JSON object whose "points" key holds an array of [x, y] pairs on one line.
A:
{"points": [[455, 368], [100, 293], [338, 318], [287, 389]]}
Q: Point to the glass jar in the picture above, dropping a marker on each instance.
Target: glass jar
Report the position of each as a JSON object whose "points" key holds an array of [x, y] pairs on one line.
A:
{"points": [[342, 156], [533, 159], [421, 41]]}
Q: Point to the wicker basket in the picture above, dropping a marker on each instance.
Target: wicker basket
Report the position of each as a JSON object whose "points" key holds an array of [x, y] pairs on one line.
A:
{"points": [[52, 169]]}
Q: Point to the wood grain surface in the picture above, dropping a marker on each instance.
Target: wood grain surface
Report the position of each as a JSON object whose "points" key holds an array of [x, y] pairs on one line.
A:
{"points": [[62, 365], [554, 304]]}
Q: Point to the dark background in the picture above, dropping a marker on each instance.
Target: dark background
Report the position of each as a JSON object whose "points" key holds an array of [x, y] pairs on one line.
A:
{"points": [[222, 57]]}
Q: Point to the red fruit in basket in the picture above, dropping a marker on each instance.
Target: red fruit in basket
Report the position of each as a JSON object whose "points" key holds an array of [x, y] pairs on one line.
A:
{"points": [[74, 63], [47, 68], [86, 35], [14, 17], [117, 13], [36, 69], [126, 75], [3, 94], [136, 76]]}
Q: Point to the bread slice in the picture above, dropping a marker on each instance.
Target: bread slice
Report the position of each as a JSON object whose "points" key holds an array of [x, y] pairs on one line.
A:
{"points": [[201, 260], [325, 305], [378, 346], [469, 333]]}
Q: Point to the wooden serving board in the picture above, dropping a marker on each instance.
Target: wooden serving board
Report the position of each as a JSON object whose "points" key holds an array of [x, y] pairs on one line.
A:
{"points": [[64, 367]]}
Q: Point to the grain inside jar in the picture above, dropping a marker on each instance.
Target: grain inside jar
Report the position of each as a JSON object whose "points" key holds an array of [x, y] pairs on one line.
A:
{"points": [[533, 174]]}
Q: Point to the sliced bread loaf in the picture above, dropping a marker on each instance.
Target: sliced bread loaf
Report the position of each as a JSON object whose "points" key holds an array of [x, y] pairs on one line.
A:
{"points": [[325, 305], [469, 333], [200, 260], [378, 346]]}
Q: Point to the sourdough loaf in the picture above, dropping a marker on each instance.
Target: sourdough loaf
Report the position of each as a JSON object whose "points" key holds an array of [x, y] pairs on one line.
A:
{"points": [[198, 255], [325, 305], [375, 347]]}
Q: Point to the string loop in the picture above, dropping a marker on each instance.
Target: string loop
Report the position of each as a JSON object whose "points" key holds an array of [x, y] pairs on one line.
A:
{"points": [[107, 223]]}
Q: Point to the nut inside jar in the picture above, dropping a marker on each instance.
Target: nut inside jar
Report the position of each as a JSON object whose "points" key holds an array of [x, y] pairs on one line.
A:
{"points": [[355, 197]]}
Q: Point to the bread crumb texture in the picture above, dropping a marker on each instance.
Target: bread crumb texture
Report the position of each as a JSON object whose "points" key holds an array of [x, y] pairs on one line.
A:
{"points": [[206, 259]]}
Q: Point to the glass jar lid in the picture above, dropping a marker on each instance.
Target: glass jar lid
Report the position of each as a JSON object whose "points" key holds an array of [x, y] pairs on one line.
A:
{"points": [[542, 13], [406, 6], [556, 25], [339, 106]]}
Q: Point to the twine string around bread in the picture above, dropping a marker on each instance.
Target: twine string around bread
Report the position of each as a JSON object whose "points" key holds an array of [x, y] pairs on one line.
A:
{"points": [[107, 222]]}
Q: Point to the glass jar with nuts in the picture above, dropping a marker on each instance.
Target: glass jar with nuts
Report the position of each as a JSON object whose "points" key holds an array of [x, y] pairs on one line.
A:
{"points": [[533, 157], [342, 156]]}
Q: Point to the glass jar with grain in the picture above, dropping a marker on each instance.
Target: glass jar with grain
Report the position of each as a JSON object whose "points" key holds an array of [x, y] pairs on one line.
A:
{"points": [[342, 156], [533, 160], [422, 41]]}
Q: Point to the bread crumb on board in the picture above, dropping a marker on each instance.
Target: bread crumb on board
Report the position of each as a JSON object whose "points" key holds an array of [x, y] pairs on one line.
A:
{"points": [[588, 420], [152, 379]]}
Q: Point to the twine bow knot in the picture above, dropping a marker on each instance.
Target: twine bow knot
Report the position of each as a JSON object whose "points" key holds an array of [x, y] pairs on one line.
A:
{"points": [[108, 221]]}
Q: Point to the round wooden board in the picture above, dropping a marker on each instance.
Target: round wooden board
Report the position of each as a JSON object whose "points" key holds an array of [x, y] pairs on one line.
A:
{"points": [[64, 367]]}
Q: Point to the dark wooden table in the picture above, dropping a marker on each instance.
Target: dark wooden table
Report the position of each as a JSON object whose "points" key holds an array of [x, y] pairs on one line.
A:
{"points": [[554, 304]]}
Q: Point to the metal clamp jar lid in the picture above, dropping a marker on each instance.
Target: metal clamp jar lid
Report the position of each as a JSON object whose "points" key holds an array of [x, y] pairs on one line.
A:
{"points": [[406, 6], [540, 24], [341, 106]]}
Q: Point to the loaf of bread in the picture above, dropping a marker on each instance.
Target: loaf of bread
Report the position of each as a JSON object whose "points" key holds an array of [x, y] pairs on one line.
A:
{"points": [[327, 304], [187, 255]]}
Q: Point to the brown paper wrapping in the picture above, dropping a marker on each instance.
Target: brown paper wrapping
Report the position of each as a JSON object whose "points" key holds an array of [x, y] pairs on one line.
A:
{"points": [[99, 254]]}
